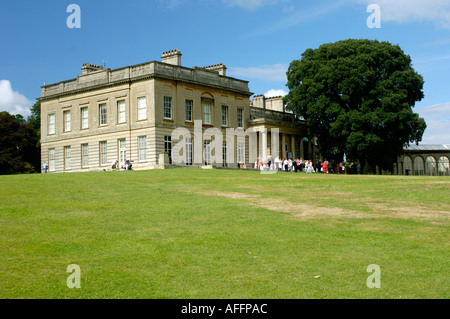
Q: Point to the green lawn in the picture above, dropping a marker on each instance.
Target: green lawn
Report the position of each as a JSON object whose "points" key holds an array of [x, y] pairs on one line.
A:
{"points": [[188, 233]]}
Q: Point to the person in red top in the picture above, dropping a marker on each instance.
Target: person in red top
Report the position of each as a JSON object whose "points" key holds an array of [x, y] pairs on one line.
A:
{"points": [[325, 167]]}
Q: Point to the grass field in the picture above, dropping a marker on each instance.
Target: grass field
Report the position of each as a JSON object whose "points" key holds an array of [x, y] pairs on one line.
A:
{"points": [[188, 233]]}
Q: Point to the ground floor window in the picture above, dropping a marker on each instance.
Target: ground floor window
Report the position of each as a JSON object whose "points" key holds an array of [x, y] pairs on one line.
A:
{"points": [[241, 153], [103, 153], [224, 154], [207, 152], [142, 144], [67, 157], [189, 151], [51, 159], [122, 151], [168, 147], [84, 155]]}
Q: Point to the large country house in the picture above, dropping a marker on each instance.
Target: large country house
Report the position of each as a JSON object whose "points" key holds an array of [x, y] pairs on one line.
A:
{"points": [[103, 116]]}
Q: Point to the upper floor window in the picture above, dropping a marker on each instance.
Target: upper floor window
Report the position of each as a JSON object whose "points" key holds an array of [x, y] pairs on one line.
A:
{"points": [[66, 118], [103, 114], [207, 113], [240, 118], [167, 107], [51, 123], [84, 118], [142, 108], [121, 112], [188, 104], [224, 115]]}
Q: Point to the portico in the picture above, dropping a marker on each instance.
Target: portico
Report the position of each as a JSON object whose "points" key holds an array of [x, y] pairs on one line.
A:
{"points": [[268, 115]]}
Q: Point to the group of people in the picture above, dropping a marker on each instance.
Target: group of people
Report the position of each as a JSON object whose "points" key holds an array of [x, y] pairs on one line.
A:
{"points": [[290, 165], [126, 166]]}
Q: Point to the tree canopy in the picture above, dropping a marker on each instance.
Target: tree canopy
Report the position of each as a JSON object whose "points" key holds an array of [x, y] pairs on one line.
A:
{"points": [[19, 152], [356, 97]]}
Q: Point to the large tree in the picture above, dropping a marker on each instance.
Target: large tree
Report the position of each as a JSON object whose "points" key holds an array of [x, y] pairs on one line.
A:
{"points": [[18, 145], [357, 98]]}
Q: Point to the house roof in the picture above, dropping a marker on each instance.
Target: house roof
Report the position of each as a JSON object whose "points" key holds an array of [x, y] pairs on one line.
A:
{"points": [[428, 148]]}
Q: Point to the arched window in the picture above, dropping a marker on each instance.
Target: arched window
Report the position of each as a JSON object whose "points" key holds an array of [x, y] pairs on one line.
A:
{"points": [[431, 166], [443, 166], [418, 166], [407, 165]]}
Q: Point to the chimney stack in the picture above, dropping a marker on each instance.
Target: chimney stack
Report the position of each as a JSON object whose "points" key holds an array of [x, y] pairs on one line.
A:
{"points": [[87, 68], [171, 57], [221, 68]]}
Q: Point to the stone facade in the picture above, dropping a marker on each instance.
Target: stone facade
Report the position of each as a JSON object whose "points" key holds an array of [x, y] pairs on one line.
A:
{"points": [[105, 115]]}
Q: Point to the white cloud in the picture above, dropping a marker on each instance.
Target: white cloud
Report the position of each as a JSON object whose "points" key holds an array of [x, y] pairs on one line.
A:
{"points": [[12, 101], [437, 118], [274, 92], [251, 4], [437, 11], [275, 72]]}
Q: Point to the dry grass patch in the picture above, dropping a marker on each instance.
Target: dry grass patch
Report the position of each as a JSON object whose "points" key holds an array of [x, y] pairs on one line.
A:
{"points": [[309, 211]]}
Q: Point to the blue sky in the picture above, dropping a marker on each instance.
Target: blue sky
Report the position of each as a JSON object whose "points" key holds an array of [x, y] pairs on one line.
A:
{"points": [[255, 39]]}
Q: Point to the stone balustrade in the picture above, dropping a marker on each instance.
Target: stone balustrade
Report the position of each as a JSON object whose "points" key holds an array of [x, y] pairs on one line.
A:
{"points": [[108, 77]]}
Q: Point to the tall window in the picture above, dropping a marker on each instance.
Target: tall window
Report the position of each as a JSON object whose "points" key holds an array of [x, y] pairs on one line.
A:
{"points": [[207, 152], [51, 123], [207, 113], [241, 153], [121, 113], [224, 115], [67, 157], [103, 115], [189, 151], [142, 108], [84, 155], [51, 159], [167, 107], [168, 147], [224, 154], [84, 118], [66, 117], [103, 153], [188, 104], [122, 150], [142, 144], [240, 118]]}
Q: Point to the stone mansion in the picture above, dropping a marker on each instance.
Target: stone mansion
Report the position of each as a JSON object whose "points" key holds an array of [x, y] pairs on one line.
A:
{"points": [[129, 113]]}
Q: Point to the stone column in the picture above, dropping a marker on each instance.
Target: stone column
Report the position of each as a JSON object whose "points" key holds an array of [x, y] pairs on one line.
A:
{"points": [[263, 144], [293, 146], [283, 147]]}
